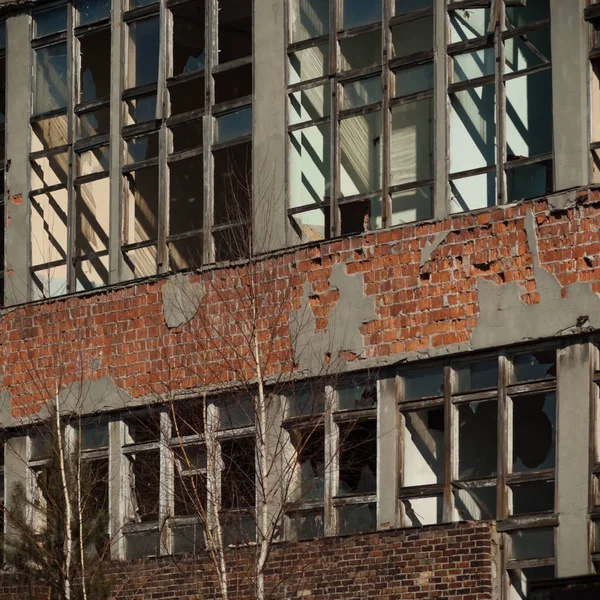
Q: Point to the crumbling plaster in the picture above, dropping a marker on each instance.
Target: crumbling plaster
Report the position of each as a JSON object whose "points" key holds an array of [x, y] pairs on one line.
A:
{"points": [[180, 300]]}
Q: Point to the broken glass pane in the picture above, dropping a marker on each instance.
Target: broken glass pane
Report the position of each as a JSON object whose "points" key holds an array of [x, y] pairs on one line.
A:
{"points": [[90, 274], [140, 263], [532, 543], [188, 38], [471, 193], [93, 161], [413, 36], [308, 64], [307, 525], [143, 428], [185, 197], [473, 128], [468, 23], [477, 375], [51, 88], [412, 205], [534, 365], [93, 434], [237, 411], [95, 66], [310, 162], [360, 51], [412, 142], [356, 395], [141, 544], [233, 125], [94, 122], [232, 183], [534, 432], [421, 383], [532, 497], [144, 473], [140, 219], [414, 80], [186, 96], [357, 518], [477, 439], [140, 109], [233, 83], [235, 29], [359, 12], [48, 22], [470, 65], [142, 148], [529, 115], [311, 225], [144, 36], [309, 105], [92, 217], [476, 504], [188, 417], [49, 227], [237, 477], [361, 154], [187, 539], [309, 444], [529, 181], [48, 283], [362, 92], [423, 456], [423, 511], [49, 170], [357, 458], [92, 10], [187, 135], [309, 19]]}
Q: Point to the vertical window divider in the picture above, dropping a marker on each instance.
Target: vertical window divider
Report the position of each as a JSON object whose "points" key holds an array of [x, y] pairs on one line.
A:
{"points": [[162, 111], [450, 446], [213, 466], [504, 437], [73, 87], [441, 159], [165, 506], [386, 203], [500, 105], [334, 59], [332, 446]]}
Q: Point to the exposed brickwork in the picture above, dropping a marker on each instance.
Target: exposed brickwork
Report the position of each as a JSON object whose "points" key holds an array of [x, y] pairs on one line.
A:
{"points": [[452, 561], [121, 333]]}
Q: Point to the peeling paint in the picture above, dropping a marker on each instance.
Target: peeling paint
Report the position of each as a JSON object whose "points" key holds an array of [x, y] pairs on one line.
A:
{"points": [[181, 300], [505, 319], [312, 348], [431, 247]]}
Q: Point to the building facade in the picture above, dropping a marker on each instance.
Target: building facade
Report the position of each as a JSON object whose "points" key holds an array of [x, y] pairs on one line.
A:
{"points": [[318, 278]]}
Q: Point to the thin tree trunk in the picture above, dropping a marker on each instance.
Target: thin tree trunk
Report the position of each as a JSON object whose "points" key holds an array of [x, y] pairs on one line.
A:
{"points": [[80, 516]]}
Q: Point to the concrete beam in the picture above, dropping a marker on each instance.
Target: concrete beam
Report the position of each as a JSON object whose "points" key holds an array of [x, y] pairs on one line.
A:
{"points": [[17, 286]]}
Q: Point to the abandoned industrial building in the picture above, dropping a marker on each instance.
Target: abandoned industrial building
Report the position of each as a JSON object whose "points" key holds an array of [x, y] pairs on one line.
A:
{"points": [[300, 298]]}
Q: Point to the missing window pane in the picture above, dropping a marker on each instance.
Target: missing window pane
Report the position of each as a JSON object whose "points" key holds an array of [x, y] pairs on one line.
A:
{"points": [[95, 65], [471, 193], [471, 65], [140, 219], [476, 504], [307, 525], [532, 497], [93, 161], [49, 133], [232, 183], [357, 518], [412, 37], [309, 105], [529, 50], [358, 458], [521, 578], [467, 24], [423, 456], [143, 428], [360, 51], [189, 53], [186, 136], [237, 477], [185, 197], [140, 263], [95, 122], [49, 171], [140, 110], [144, 473], [310, 226], [477, 439], [233, 83], [144, 36], [231, 243], [235, 29], [309, 444], [186, 96], [185, 253], [412, 205], [49, 283], [90, 274], [308, 64], [187, 417], [534, 366], [142, 148], [190, 495], [309, 19], [423, 511], [92, 217], [360, 216], [49, 215]]}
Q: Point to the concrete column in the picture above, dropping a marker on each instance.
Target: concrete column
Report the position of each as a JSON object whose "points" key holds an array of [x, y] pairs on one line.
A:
{"points": [[269, 134], [572, 476], [117, 490], [18, 85], [441, 157], [15, 472], [387, 454], [570, 93]]}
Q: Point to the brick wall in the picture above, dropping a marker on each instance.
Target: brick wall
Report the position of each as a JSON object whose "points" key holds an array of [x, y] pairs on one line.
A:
{"points": [[453, 561], [121, 333]]}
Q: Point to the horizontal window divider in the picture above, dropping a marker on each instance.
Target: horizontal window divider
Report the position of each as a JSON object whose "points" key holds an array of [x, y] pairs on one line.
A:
{"points": [[595, 512], [140, 90], [48, 189], [523, 162], [591, 12], [461, 4], [99, 453], [175, 157], [409, 99], [139, 129], [89, 256], [594, 53], [479, 43], [91, 143], [309, 84], [91, 105], [343, 34], [185, 236], [596, 556], [39, 463], [129, 449], [360, 110], [188, 117], [48, 265], [47, 153], [596, 468], [304, 421], [225, 107], [420, 491], [475, 484], [307, 124], [304, 505], [524, 29], [412, 405], [475, 396], [296, 210], [358, 198], [410, 186], [236, 432], [358, 74], [472, 172], [133, 527], [541, 475], [310, 43], [349, 416], [461, 86], [100, 25], [187, 440], [185, 77], [142, 164], [230, 143], [594, 145], [411, 16], [176, 521], [57, 112], [49, 40], [415, 59], [141, 11], [528, 522], [138, 245], [354, 499], [233, 64], [530, 563], [518, 389], [81, 180], [531, 71]]}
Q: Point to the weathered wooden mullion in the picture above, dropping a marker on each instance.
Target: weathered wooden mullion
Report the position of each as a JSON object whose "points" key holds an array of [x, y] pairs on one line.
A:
{"points": [[332, 450], [500, 106], [450, 446], [72, 93], [441, 158], [504, 442], [162, 111], [387, 90], [334, 219]]}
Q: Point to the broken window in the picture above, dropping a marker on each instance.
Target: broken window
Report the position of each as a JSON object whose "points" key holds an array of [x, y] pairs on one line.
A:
{"points": [[478, 439], [422, 383], [534, 366], [357, 458]]}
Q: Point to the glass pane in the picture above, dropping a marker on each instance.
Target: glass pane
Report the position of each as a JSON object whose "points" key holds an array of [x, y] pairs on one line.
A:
{"points": [[473, 128], [190, 494], [412, 205], [359, 12], [187, 135], [412, 142], [95, 66], [140, 109], [309, 105], [361, 154], [92, 10], [140, 219], [357, 518], [473, 376], [534, 365], [142, 428], [189, 54], [421, 383], [185, 253], [92, 123], [307, 525], [476, 504], [141, 148], [188, 539], [48, 22], [529, 115], [309, 19], [477, 439], [471, 193], [311, 225], [360, 51], [232, 184], [468, 23], [471, 65], [310, 162], [49, 283], [414, 80], [186, 96], [92, 217], [528, 50], [356, 395], [93, 161], [308, 64], [306, 401], [361, 93], [90, 274], [532, 11], [233, 83], [93, 434], [144, 38], [185, 198], [532, 497], [423, 511], [140, 263], [530, 181], [532, 543], [49, 227], [236, 412], [142, 544], [233, 125], [238, 474], [309, 444], [403, 7], [534, 432], [413, 36], [231, 244], [51, 81], [358, 458], [235, 29], [48, 171], [423, 456]]}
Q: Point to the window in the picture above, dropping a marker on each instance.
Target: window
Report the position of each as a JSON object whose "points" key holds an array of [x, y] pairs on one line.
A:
{"points": [[361, 122]]}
